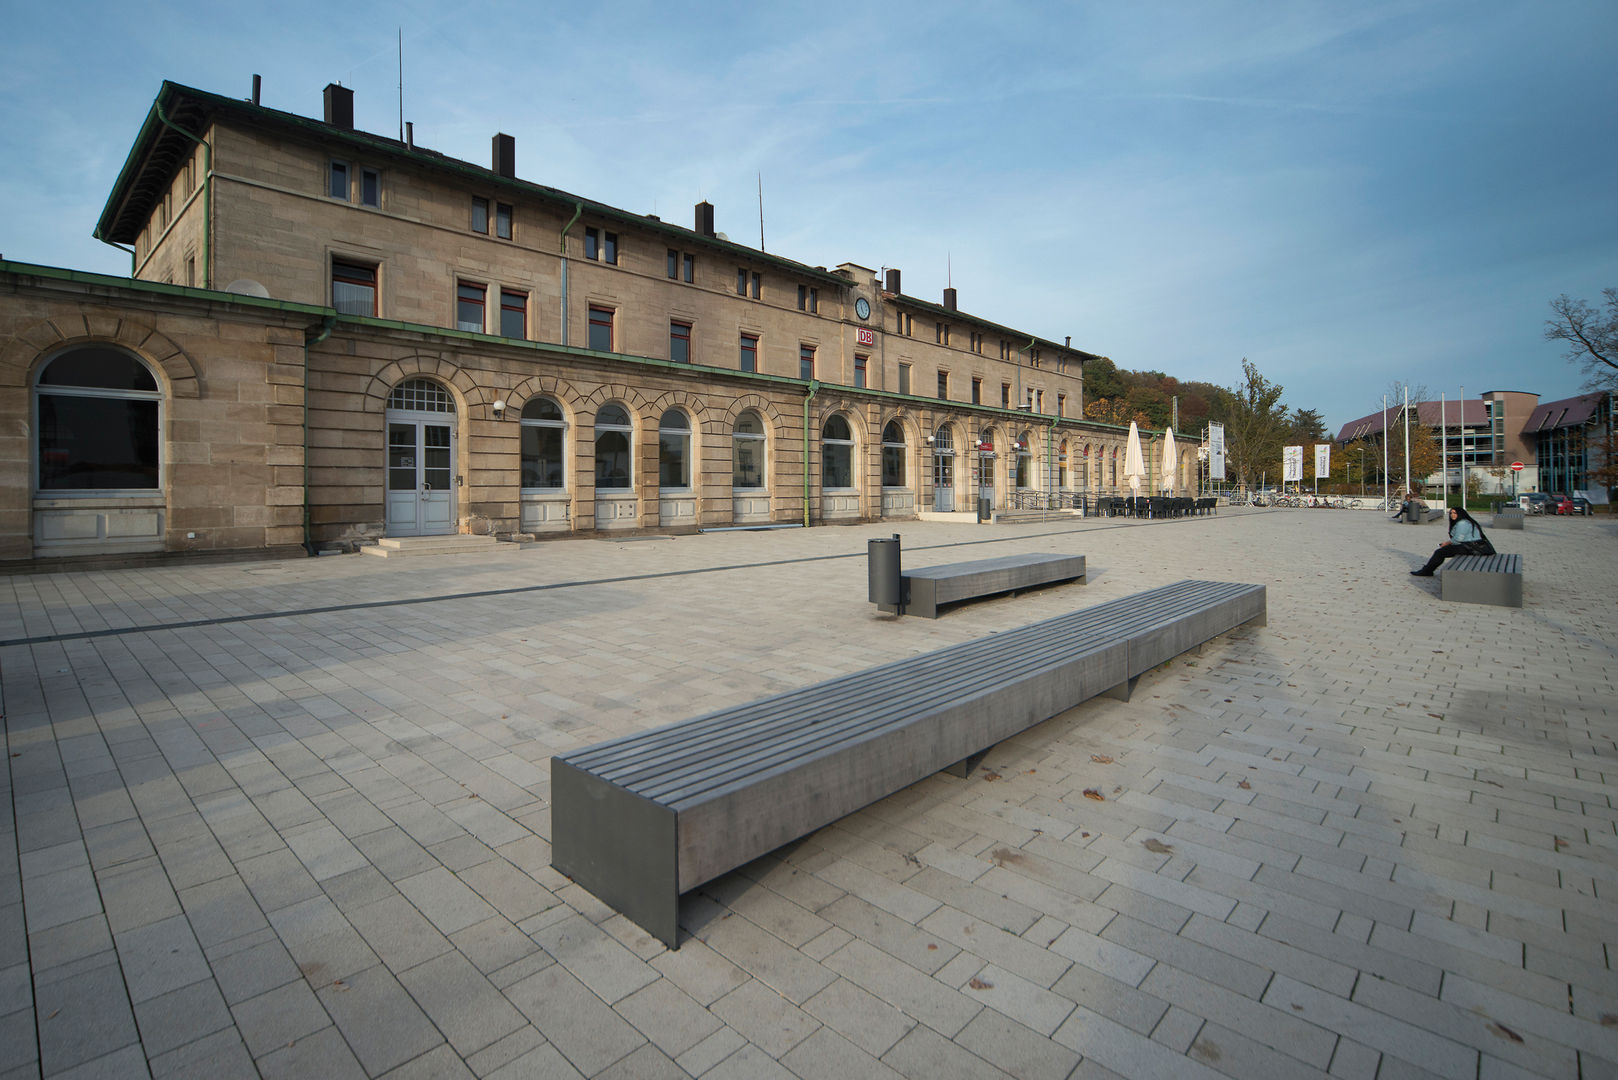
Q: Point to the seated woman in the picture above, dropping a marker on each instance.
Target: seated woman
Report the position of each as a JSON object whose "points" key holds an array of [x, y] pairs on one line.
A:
{"points": [[1465, 538]]}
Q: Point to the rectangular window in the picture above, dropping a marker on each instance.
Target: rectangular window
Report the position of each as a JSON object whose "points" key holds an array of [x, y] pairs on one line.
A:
{"points": [[674, 264], [806, 361], [758, 286], [480, 214], [749, 360], [803, 298], [680, 342], [741, 282], [513, 314], [592, 242], [353, 288], [943, 386], [977, 391], [814, 301], [938, 332], [904, 378], [601, 328], [502, 220], [337, 187], [1005, 395], [860, 364], [469, 300], [609, 248], [190, 270], [1061, 404], [689, 268], [370, 187]]}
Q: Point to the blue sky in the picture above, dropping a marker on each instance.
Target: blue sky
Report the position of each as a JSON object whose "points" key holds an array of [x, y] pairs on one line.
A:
{"points": [[1348, 194]]}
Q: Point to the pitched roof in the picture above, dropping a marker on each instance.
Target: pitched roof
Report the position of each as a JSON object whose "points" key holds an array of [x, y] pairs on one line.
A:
{"points": [[1429, 413], [1569, 412]]}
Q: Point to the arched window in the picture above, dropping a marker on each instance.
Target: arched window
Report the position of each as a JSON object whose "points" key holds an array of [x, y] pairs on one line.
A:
{"points": [[421, 395], [836, 454], [612, 448], [747, 452], [893, 454], [1024, 458], [98, 422], [542, 441], [674, 450]]}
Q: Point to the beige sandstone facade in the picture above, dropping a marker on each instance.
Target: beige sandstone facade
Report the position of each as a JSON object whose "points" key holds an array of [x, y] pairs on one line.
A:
{"points": [[422, 298]]}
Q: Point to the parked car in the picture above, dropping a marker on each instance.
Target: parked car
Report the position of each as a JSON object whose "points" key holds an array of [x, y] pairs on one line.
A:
{"points": [[1535, 502], [1561, 505], [1581, 505]]}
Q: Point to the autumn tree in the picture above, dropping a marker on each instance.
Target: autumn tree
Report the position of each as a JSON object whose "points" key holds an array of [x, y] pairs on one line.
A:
{"points": [[1591, 337], [1255, 421]]}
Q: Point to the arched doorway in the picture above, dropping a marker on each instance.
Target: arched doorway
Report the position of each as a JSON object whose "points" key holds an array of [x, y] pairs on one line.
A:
{"points": [[421, 460]]}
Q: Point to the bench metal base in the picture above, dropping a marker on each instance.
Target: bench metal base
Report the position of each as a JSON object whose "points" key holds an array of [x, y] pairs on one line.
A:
{"points": [[1507, 519], [641, 819], [1482, 579], [928, 589]]}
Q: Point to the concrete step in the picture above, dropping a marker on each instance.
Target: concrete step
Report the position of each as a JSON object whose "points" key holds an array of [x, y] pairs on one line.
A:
{"points": [[409, 546]]}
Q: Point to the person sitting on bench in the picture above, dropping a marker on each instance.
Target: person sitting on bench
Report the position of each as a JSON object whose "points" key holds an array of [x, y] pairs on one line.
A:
{"points": [[1465, 538]]}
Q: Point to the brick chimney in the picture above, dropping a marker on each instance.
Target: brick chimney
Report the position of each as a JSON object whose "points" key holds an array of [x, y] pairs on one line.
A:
{"points": [[704, 223], [504, 152], [340, 106]]}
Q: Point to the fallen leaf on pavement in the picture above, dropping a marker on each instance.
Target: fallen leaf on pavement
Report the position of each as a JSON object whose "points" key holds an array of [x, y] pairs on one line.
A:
{"points": [[1092, 793]]}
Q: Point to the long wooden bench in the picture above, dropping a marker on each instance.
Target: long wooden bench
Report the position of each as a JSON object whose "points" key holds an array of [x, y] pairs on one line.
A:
{"points": [[1482, 579], [641, 819], [925, 590], [1507, 519]]}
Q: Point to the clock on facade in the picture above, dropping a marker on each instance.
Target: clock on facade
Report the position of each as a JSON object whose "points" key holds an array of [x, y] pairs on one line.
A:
{"points": [[862, 308]]}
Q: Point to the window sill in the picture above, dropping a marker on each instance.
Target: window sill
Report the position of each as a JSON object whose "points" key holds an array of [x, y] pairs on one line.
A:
{"points": [[88, 499]]}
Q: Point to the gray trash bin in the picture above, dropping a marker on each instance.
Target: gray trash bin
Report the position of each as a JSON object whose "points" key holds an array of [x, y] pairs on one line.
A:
{"points": [[885, 581], [985, 509]]}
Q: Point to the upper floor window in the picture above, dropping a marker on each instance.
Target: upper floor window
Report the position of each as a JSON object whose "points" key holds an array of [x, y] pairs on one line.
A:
{"points": [[1005, 395], [601, 328], [337, 185], [688, 265], [674, 264], [1061, 404], [679, 341], [353, 288], [904, 378], [905, 324], [758, 286], [808, 299], [98, 424], [806, 361], [502, 220], [977, 391], [861, 362], [943, 386], [600, 245], [741, 280], [749, 358], [513, 314], [370, 187], [469, 305], [941, 333], [480, 214], [542, 430]]}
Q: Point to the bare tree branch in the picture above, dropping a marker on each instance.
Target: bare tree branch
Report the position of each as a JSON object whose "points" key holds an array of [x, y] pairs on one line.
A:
{"points": [[1591, 335]]}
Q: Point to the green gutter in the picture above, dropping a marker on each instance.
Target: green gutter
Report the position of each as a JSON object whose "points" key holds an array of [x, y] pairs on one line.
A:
{"points": [[207, 193], [814, 387]]}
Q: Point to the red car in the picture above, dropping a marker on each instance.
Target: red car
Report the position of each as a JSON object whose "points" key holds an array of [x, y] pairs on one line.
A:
{"points": [[1563, 505]]}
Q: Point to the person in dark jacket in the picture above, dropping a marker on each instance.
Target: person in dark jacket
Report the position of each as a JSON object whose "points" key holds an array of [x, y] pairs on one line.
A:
{"points": [[1465, 538]]}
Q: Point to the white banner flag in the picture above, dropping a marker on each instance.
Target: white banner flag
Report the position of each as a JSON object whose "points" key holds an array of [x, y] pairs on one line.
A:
{"points": [[1322, 460], [1216, 451], [1291, 463]]}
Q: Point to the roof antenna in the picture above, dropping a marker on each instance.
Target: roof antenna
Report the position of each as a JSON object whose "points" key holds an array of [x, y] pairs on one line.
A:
{"points": [[761, 210], [949, 270], [401, 84]]}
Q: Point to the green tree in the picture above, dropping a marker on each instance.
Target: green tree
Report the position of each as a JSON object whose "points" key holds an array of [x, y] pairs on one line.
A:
{"points": [[1255, 422], [1591, 336]]}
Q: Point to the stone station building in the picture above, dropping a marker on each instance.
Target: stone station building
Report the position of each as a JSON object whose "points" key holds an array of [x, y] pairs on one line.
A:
{"points": [[329, 336]]}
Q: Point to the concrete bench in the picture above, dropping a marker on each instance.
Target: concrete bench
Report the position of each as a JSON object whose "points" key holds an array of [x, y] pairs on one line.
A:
{"points": [[1421, 515], [641, 819], [924, 591], [1507, 519], [1482, 579]]}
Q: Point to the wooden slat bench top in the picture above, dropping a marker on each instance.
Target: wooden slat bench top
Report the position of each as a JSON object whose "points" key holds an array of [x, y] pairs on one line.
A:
{"points": [[642, 818]]}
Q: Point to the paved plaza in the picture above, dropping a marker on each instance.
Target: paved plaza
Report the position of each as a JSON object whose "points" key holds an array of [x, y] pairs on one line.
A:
{"points": [[290, 819]]}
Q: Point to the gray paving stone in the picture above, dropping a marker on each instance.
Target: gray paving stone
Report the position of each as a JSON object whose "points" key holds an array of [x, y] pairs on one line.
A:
{"points": [[766, 958], [825, 1055], [668, 1017], [82, 1018], [398, 933], [1125, 1052], [321, 1053], [381, 1023], [504, 1051], [461, 1002], [19, 1047], [1392, 1036], [924, 1052], [279, 1018], [940, 1007], [595, 958], [220, 1056], [588, 1033], [765, 1018]]}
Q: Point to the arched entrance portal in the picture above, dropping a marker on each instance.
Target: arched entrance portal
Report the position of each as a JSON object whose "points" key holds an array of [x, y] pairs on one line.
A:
{"points": [[421, 460]]}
